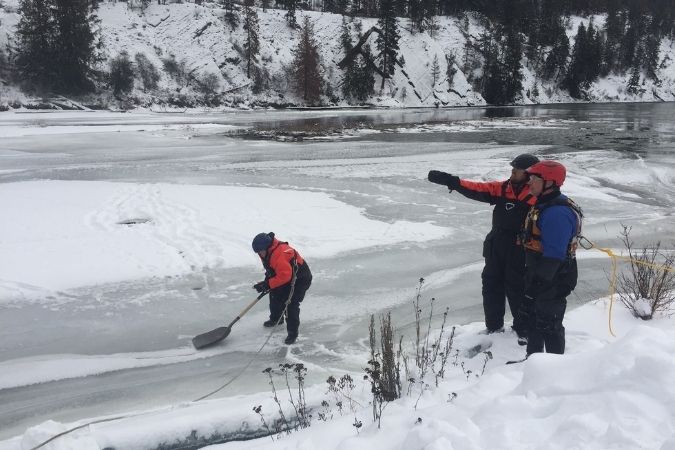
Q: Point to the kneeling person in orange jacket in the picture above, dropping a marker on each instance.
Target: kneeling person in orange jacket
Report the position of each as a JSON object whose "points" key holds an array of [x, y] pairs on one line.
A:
{"points": [[280, 260]]}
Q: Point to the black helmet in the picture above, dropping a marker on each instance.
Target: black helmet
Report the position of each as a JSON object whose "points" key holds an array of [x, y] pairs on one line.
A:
{"points": [[524, 161], [262, 241]]}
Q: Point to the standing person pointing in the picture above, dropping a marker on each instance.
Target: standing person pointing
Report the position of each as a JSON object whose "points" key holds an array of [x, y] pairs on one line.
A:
{"points": [[503, 274], [287, 277]]}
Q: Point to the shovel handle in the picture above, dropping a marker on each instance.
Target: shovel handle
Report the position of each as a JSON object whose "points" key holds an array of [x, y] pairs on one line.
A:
{"points": [[249, 306]]}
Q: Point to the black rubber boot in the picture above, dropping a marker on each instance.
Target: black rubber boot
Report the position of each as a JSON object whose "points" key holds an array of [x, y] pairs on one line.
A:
{"points": [[271, 323]]}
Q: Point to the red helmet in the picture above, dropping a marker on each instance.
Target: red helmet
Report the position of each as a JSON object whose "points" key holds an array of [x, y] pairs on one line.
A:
{"points": [[549, 171]]}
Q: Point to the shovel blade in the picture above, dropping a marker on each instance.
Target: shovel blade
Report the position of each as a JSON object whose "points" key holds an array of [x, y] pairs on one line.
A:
{"points": [[210, 337]]}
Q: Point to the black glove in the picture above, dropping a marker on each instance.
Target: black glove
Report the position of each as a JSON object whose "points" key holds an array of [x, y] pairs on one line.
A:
{"points": [[443, 178], [262, 286]]}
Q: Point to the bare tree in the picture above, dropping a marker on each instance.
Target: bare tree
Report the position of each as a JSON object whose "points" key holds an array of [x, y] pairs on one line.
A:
{"points": [[649, 285]]}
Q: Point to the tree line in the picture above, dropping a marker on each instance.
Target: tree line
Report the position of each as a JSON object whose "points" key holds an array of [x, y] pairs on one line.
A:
{"points": [[57, 46]]}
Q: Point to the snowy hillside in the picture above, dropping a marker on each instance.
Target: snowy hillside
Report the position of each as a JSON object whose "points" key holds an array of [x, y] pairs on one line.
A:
{"points": [[200, 37]]}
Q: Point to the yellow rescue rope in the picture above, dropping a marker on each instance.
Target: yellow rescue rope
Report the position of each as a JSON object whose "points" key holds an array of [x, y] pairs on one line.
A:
{"points": [[588, 245]]}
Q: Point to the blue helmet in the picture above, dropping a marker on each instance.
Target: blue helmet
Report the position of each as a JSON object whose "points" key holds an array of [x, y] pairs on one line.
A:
{"points": [[262, 241]]}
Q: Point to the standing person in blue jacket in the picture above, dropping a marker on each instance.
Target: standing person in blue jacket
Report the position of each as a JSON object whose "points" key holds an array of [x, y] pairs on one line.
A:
{"points": [[550, 239]]}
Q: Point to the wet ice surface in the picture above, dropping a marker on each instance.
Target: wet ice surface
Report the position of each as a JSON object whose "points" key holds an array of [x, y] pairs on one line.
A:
{"points": [[620, 160]]}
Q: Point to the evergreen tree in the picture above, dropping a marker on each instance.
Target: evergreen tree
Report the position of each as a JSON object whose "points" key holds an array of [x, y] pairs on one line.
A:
{"points": [[450, 69], [57, 45], [631, 40], [252, 43], [35, 34], [265, 5], [415, 13], [359, 76], [369, 8], [435, 71], [291, 6], [502, 50], [576, 74], [550, 23], [4, 67], [365, 75], [387, 39], [346, 37], [429, 12], [121, 74], [633, 86], [349, 77], [614, 31], [400, 8], [231, 15], [306, 70], [356, 8], [493, 80], [594, 53], [329, 5], [650, 53], [513, 53], [147, 72], [555, 64], [341, 6], [77, 44]]}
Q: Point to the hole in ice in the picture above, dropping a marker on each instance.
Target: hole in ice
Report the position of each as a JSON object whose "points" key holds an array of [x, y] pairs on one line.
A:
{"points": [[136, 221]]}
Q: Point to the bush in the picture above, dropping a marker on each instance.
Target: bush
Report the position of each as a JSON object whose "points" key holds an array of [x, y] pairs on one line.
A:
{"points": [[383, 371], [261, 80], [208, 84], [177, 70], [4, 64], [649, 285], [121, 74], [147, 72]]}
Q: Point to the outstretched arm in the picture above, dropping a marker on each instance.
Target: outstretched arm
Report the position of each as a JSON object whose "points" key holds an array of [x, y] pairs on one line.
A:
{"points": [[487, 192]]}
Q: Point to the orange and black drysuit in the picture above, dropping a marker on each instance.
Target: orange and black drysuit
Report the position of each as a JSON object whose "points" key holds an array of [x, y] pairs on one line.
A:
{"points": [[503, 274], [279, 262], [550, 238]]}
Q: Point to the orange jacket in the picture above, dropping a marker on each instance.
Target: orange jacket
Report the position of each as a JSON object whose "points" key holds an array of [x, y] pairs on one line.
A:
{"points": [[277, 263], [511, 207], [492, 191]]}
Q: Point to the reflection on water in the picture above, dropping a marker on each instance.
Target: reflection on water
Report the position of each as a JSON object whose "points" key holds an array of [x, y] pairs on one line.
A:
{"points": [[632, 127], [632, 115]]}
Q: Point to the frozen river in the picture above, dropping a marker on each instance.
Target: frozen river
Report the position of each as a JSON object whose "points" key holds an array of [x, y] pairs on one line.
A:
{"points": [[100, 315]]}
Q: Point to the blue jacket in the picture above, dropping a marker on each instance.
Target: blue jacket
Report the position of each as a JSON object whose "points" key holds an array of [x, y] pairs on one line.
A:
{"points": [[558, 225]]}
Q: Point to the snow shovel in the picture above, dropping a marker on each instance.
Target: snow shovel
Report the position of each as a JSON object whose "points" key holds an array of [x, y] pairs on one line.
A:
{"points": [[220, 333]]}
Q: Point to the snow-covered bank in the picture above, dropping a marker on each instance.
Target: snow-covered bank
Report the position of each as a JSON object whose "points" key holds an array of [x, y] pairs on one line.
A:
{"points": [[604, 393], [199, 36]]}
